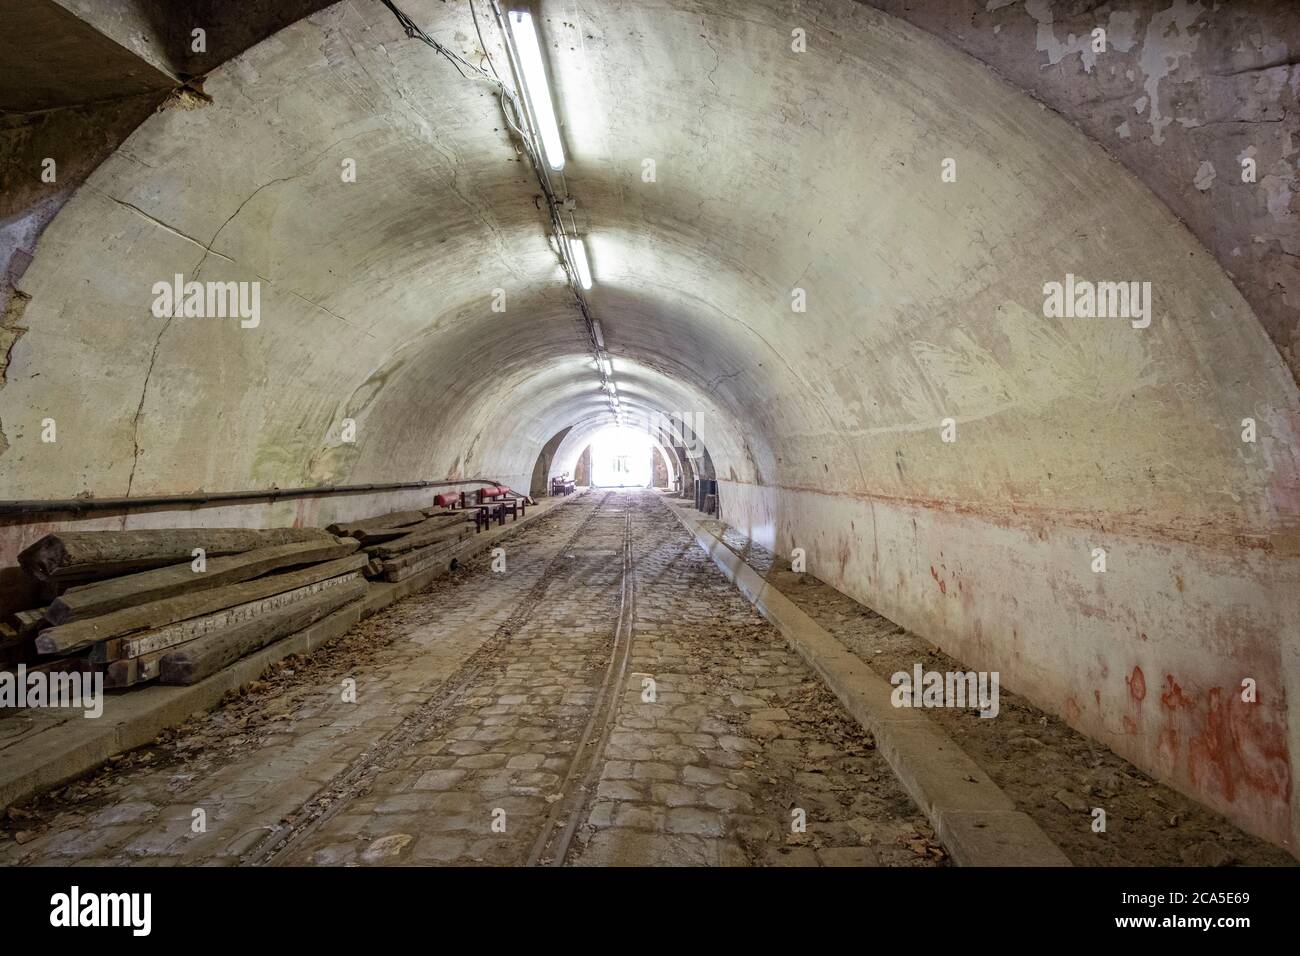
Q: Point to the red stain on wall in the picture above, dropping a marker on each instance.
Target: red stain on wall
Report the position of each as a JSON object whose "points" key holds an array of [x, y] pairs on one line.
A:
{"points": [[1072, 709], [1168, 744], [1239, 747], [1230, 749], [1173, 698], [1137, 684], [943, 587]]}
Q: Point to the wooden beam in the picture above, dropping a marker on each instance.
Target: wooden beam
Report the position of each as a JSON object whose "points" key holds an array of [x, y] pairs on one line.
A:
{"points": [[439, 533], [397, 519], [136, 670], [29, 622], [200, 658], [369, 539], [143, 643], [422, 559], [132, 589], [81, 634], [86, 555]]}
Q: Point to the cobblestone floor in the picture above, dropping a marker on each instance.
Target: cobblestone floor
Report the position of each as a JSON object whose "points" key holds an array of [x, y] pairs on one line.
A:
{"points": [[1052, 772], [479, 733]]}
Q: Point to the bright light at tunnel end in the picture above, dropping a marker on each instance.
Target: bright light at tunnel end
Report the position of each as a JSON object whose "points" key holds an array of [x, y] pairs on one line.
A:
{"points": [[536, 87], [622, 456]]}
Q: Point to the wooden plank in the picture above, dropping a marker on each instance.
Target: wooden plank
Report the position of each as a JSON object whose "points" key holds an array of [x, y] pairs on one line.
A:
{"points": [[134, 671], [379, 537], [457, 531], [384, 535], [81, 634], [29, 622], [82, 555], [147, 642], [413, 562], [435, 519], [419, 554], [397, 519], [117, 593], [200, 658]]}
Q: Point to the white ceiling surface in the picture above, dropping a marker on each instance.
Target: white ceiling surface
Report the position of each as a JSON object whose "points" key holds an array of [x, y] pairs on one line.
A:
{"points": [[774, 170]]}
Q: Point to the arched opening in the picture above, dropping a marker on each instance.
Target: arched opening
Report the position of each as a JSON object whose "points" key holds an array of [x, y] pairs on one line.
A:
{"points": [[542, 468], [622, 457], [853, 318]]}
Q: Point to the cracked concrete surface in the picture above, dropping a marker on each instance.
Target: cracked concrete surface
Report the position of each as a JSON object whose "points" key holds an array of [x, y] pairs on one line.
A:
{"points": [[1181, 83], [776, 169]]}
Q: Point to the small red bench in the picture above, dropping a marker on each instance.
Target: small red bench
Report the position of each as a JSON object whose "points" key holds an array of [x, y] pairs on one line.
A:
{"points": [[516, 504], [488, 504], [454, 501]]}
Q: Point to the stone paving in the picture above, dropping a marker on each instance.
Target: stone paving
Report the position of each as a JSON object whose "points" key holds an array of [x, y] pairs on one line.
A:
{"points": [[1053, 773], [740, 736], [462, 745], [252, 763]]}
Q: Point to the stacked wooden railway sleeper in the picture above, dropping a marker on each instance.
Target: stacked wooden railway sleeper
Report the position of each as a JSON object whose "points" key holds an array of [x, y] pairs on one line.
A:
{"points": [[180, 604], [177, 605], [405, 543]]}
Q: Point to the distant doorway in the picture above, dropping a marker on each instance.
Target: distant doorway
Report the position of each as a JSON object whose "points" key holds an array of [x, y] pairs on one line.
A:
{"points": [[622, 457]]}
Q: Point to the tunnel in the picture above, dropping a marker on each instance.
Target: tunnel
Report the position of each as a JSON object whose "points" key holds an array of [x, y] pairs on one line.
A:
{"points": [[958, 347]]}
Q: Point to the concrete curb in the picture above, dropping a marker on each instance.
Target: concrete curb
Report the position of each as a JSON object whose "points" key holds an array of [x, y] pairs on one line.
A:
{"points": [[977, 823], [133, 719]]}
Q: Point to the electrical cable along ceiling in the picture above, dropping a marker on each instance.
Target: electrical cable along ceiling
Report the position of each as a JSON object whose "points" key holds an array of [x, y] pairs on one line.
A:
{"points": [[795, 281], [774, 172], [530, 113]]}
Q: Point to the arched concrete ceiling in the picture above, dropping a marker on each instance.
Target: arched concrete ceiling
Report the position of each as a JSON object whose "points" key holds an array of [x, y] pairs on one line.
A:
{"points": [[774, 170]]}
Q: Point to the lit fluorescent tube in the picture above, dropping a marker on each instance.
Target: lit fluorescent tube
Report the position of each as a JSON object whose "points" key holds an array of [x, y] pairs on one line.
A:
{"points": [[608, 366], [600, 333], [535, 86], [578, 250]]}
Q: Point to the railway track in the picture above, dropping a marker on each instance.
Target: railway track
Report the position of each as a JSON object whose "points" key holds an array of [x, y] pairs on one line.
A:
{"points": [[554, 840], [444, 704]]}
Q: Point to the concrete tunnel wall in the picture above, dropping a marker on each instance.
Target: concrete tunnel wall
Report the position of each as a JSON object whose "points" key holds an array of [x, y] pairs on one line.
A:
{"points": [[775, 171]]}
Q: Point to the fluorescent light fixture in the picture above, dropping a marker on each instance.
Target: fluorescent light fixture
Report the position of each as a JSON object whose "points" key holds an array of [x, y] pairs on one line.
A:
{"points": [[599, 332], [578, 250], [607, 366], [536, 88]]}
